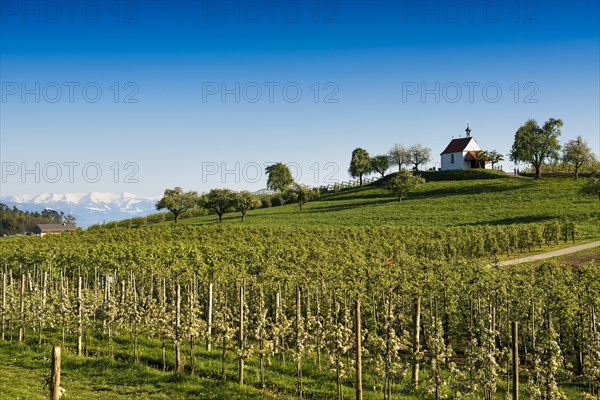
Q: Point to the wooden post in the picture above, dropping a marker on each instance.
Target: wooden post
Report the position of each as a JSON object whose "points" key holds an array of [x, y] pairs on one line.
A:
{"points": [[192, 335], [22, 309], [10, 320], [55, 374], [3, 304], [359, 389], [533, 326], [241, 336], [209, 316], [108, 308], [277, 310], [79, 317], [515, 359], [298, 339], [318, 312], [43, 279], [136, 350], [223, 305], [281, 310], [64, 290], [178, 364], [263, 321], [164, 310], [416, 343]]}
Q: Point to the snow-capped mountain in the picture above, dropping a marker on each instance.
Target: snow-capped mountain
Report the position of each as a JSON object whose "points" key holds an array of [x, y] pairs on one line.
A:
{"points": [[89, 208]]}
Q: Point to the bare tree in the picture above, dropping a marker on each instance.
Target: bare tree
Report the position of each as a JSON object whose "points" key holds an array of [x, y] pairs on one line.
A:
{"points": [[399, 156], [419, 154]]}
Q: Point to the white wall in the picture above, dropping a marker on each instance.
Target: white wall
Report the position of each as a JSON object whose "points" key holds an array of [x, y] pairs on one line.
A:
{"points": [[459, 158], [446, 163], [472, 146]]}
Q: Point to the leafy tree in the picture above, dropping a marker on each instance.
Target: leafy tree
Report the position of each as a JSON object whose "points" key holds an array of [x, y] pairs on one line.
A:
{"points": [[301, 194], [577, 152], [381, 164], [14, 221], [70, 219], [245, 201], [419, 154], [534, 144], [403, 183], [592, 187], [360, 164], [279, 177], [54, 215], [177, 201], [482, 158], [277, 199], [219, 201], [399, 155], [494, 157]]}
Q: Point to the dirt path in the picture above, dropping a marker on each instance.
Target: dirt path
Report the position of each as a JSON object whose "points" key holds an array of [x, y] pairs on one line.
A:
{"points": [[551, 254]]}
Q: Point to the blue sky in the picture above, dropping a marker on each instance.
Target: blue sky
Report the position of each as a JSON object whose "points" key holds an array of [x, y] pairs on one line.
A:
{"points": [[201, 94]]}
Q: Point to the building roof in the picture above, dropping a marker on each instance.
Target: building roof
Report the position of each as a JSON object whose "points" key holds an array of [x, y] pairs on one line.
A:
{"points": [[55, 227], [471, 156], [457, 145]]}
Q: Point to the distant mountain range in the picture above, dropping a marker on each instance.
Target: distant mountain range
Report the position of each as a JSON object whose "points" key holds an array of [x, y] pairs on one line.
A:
{"points": [[89, 208]]}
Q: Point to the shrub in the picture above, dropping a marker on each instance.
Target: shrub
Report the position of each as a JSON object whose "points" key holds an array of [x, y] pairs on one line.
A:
{"points": [[463, 174], [156, 218], [265, 201], [277, 199]]}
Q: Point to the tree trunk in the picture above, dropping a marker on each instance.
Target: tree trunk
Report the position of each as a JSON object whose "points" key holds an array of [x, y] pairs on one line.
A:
{"points": [[538, 171]]}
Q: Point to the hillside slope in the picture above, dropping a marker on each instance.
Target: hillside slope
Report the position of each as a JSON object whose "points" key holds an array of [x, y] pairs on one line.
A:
{"points": [[441, 203]]}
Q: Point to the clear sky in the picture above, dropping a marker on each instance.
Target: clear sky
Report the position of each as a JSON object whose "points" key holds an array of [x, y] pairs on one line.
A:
{"points": [[202, 94]]}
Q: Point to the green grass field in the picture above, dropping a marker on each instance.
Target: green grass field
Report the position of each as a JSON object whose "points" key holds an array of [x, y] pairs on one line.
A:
{"points": [[23, 369], [438, 203]]}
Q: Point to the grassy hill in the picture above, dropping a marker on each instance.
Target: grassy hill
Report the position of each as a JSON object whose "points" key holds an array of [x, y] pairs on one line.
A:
{"points": [[437, 203]]}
